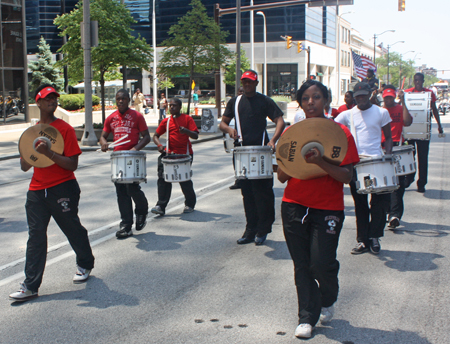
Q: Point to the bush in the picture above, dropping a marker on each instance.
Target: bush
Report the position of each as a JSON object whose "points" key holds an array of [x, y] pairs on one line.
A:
{"points": [[281, 99], [70, 102], [95, 99]]}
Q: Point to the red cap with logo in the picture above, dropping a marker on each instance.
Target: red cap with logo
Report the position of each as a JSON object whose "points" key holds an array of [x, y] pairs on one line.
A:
{"points": [[389, 92], [45, 92], [250, 74]]}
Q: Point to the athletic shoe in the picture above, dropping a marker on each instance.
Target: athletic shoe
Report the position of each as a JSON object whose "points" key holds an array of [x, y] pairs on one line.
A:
{"points": [[245, 240], [394, 222], [260, 240], [188, 209], [124, 233], [157, 210], [326, 314], [235, 186], [303, 331], [421, 189], [375, 246], [140, 222], [81, 275], [360, 248], [23, 294]]}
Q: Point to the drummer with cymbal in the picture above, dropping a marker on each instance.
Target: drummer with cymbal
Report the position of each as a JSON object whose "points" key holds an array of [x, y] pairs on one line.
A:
{"points": [[179, 128], [53, 192], [127, 122], [250, 130], [313, 214]]}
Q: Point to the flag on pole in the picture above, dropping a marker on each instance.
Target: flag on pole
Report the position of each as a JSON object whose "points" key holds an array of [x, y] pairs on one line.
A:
{"points": [[362, 64]]}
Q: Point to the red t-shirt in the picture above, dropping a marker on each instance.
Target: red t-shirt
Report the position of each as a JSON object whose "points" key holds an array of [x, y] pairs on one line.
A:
{"points": [[396, 113], [178, 143], [343, 108], [325, 192], [131, 123], [413, 90], [44, 178]]}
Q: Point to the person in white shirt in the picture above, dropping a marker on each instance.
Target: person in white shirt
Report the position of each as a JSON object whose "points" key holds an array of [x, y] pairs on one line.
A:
{"points": [[368, 122]]}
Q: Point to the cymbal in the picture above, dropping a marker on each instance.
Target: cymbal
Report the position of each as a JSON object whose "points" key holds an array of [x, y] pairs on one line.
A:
{"points": [[324, 134], [30, 139]]}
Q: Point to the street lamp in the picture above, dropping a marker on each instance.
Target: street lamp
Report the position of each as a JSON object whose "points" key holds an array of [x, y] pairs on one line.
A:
{"points": [[265, 52], [375, 40], [401, 62], [155, 80], [389, 46]]}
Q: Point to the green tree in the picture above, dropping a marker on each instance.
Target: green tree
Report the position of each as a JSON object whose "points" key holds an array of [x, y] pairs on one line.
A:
{"points": [[398, 69], [196, 46], [230, 70], [116, 47], [43, 70]]}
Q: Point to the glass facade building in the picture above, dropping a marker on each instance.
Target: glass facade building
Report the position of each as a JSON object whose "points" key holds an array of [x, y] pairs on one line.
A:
{"points": [[13, 86]]}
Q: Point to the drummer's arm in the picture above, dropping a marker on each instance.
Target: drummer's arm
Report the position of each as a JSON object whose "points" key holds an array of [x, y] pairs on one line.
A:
{"points": [[279, 121], [342, 174], [69, 163], [24, 165], [104, 141], [224, 126], [436, 116], [388, 136], [192, 134], [157, 142], [282, 176], [142, 142], [407, 119]]}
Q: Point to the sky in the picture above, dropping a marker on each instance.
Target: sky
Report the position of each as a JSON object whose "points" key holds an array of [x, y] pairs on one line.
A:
{"points": [[424, 26]]}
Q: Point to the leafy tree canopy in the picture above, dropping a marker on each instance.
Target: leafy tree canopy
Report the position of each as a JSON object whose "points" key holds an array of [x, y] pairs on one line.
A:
{"points": [[230, 73]]}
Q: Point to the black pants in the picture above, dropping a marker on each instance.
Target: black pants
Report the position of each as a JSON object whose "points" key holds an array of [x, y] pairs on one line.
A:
{"points": [[422, 147], [126, 194], [259, 206], [165, 188], [61, 203], [370, 221], [396, 208], [312, 237]]}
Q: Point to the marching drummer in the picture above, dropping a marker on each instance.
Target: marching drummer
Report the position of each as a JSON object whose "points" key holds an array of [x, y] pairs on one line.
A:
{"points": [[258, 196], [127, 122], [178, 128], [423, 146], [366, 122], [400, 117], [54, 192]]}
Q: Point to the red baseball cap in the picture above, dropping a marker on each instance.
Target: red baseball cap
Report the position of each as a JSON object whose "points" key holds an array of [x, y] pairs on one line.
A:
{"points": [[389, 92], [45, 92], [250, 74]]}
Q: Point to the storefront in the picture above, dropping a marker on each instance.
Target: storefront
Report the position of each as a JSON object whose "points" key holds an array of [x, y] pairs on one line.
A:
{"points": [[13, 83]]}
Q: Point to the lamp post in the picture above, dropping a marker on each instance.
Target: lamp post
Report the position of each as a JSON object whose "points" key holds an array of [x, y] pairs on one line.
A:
{"points": [[265, 52], [375, 40], [389, 46], [252, 39], [401, 62], [155, 80]]}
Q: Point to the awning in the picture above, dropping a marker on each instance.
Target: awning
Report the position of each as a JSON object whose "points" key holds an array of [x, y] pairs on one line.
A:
{"points": [[111, 83]]}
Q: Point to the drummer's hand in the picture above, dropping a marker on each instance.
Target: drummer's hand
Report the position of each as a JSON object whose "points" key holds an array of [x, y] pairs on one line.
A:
{"points": [[161, 149], [43, 148], [233, 133], [401, 96], [440, 129], [183, 130], [313, 156], [133, 149], [271, 144], [104, 147]]}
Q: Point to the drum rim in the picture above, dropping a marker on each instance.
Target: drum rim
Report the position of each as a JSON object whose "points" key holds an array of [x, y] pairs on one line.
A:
{"points": [[127, 152], [387, 158], [256, 148]]}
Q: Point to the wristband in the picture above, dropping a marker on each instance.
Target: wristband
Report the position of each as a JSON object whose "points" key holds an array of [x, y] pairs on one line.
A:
{"points": [[160, 145], [52, 156]]}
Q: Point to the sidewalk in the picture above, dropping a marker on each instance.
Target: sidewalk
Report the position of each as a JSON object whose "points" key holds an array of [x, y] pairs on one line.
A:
{"points": [[10, 134]]}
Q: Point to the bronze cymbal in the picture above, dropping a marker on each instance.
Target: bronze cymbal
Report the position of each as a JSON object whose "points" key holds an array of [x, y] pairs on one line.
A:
{"points": [[324, 134], [29, 139]]}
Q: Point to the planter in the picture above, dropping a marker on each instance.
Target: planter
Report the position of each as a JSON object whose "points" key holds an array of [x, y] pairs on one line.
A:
{"points": [[198, 122], [98, 132]]}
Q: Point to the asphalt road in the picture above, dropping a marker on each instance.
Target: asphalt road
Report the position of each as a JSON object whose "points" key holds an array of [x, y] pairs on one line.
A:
{"points": [[183, 279]]}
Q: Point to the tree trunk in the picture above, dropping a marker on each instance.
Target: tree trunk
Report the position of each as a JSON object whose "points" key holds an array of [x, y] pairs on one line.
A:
{"points": [[102, 92]]}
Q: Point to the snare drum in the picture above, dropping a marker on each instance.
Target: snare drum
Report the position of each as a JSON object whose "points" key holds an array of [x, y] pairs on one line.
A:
{"points": [[419, 107], [376, 175], [253, 162], [128, 167], [177, 168], [228, 143], [404, 160]]}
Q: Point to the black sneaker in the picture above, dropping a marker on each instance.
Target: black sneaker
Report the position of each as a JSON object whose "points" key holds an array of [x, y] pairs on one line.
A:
{"points": [[421, 189], [140, 222], [158, 210], [360, 248], [394, 222], [375, 245], [235, 186], [123, 233]]}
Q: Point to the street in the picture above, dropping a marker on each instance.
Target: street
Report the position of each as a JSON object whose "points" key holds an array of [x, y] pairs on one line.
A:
{"points": [[183, 278]]}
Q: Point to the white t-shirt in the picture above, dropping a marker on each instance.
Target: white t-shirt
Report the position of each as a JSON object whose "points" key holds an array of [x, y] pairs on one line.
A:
{"points": [[368, 124], [299, 116]]}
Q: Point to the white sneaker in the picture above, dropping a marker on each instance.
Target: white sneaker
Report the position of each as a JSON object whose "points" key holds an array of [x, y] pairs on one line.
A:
{"points": [[326, 314], [81, 275], [303, 331], [23, 294]]}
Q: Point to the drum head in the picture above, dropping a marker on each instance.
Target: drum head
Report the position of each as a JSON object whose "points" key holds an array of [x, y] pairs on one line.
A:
{"points": [[322, 131], [27, 142]]}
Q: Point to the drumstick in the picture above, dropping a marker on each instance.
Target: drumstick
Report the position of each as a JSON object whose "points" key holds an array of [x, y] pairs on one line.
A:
{"points": [[112, 145], [403, 82], [123, 137]]}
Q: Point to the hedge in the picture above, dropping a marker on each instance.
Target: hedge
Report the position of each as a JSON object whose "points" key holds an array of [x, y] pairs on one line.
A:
{"points": [[75, 101]]}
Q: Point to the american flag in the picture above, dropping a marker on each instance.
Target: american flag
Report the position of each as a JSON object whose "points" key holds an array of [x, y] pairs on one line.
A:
{"points": [[362, 64]]}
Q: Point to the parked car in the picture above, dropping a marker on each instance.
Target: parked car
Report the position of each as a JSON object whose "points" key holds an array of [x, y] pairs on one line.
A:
{"points": [[149, 100]]}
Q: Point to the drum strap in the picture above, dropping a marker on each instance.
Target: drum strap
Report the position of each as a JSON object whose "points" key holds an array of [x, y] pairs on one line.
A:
{"points": [[236, 115], [352, 127]]}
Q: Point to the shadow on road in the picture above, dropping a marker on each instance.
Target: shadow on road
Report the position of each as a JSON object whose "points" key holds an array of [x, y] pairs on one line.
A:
{"points": [[155, 242], [409, 261]]}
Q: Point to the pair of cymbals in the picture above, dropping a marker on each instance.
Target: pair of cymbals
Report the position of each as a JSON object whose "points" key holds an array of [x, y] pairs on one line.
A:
{"points": [[321, 133], [31, 138]]}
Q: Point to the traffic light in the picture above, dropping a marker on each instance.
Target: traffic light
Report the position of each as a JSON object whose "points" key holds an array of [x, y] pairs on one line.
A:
{"points": [[300, 47], [288, 42], [401, 5]]}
